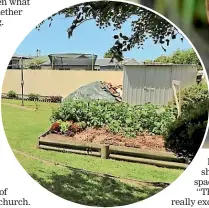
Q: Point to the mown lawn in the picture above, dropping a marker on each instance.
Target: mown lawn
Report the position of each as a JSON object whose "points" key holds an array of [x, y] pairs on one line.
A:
{"points": [[85, 188], [22, 128]]}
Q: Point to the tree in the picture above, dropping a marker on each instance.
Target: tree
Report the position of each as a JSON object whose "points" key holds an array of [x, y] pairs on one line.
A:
{"points": [[108, 13], [195, 12], [35, 63], [163, 59], [190, 16], [181, 57], [108, 54]]}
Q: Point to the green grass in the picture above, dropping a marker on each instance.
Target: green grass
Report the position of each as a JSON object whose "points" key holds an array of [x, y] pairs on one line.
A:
{"points": [[85, 188], [22, 128]]}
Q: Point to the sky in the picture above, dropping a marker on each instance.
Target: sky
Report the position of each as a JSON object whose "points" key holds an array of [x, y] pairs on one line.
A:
{"points": [[88, 38]]}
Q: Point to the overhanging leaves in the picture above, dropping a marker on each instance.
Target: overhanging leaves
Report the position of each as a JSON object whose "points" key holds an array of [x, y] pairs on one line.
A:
{"points": [[115, 14]]}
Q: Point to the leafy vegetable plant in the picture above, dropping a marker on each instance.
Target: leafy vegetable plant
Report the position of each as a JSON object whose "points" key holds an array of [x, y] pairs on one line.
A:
{"points": [[117, 117]]}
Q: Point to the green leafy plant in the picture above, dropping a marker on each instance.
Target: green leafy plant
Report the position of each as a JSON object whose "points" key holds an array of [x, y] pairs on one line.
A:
{"points": [[64, 126], [12, 94], [188, 56], [146, 24], [55, 99], [35, 63], [33, 97], [82, 124], [185, 135], [117, 117], [194, 94]]}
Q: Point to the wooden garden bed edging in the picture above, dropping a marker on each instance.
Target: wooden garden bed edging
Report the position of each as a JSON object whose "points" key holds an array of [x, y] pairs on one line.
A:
{"points": [[160, 159]]}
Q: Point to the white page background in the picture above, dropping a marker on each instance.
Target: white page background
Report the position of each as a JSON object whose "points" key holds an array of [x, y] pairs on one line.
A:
{"points": [[14, 177]]}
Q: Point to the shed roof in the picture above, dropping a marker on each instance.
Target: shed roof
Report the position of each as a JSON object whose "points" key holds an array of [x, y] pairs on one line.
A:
{"points": [[156, 64], [106, 62], [47, 63], [169, 64], [131, 62], [16, 56]]}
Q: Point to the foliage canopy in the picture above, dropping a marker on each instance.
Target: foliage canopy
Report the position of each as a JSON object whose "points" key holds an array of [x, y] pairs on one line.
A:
{"points": [[144, 24], [185, 135], [181, 57], [108, 54]]}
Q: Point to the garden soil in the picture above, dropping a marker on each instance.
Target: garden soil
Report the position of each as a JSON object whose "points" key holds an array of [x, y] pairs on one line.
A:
{"points": [[102, 136]]}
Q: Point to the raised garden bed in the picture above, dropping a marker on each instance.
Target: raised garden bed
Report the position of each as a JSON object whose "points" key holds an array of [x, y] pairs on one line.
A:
{"points": [[101, 143], [103, 136]]}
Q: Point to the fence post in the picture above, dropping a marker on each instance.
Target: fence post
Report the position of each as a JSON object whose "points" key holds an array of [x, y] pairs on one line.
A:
{"points": [[105, 151], [178, 101], [22, 82]]}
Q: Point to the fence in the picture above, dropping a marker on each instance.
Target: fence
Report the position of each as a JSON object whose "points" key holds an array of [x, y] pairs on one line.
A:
{"points": [[56, 82]]}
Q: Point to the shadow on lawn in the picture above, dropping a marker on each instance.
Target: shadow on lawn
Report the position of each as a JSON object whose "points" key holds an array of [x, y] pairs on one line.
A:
{"points": [[88, 189]]}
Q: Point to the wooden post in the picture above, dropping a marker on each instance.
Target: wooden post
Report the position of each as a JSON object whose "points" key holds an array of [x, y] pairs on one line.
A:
{"points": [[92, 63], [52, 62], [22, 82], [37, 144], [178, 101], [105, 151]]}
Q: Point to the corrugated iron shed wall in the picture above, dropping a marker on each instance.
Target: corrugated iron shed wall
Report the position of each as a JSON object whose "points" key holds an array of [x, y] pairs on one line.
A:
{"points": [[153, 83]]}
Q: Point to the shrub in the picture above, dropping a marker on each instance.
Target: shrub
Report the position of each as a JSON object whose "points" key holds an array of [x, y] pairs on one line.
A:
{"points": [[185, 135], [188, 56], [117, 117], [12, 94], [55, 99], [64, 126], [67, 127], [35, 63], [194, 94], [33, 97]]}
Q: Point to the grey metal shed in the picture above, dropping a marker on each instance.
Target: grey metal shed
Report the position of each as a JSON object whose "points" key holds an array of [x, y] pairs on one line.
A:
{"points": [[153, 83]]}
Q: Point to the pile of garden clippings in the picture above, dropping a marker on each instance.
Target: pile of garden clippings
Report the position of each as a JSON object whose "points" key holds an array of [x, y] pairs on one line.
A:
{"points": [[98, 90], [114, 90]]}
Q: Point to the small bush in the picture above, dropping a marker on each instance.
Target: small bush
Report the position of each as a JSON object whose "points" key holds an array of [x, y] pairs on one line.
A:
{"points": [[67, 128], [117, 117], [194, 94], [35, 63], [33, 97], [185, 135], [55, 99], [12, 94]]}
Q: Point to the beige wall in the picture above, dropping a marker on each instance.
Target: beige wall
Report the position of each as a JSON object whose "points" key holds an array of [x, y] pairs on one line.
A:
{"points": [[55, 82]]}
